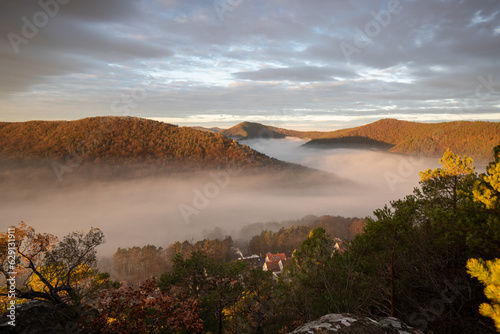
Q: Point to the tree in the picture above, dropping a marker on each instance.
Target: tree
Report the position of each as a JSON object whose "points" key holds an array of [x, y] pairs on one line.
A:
{"points": [[59, 272], [217, 285], [255, 311], [489, 274], [487, 189], [306, 276], [386, 240], [144, 310], [455, 177], [413, 254]]}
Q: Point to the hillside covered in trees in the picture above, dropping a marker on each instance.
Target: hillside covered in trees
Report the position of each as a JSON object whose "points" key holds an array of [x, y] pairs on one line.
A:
{"points": [[250, 130], [475, 139], [129, 141]]}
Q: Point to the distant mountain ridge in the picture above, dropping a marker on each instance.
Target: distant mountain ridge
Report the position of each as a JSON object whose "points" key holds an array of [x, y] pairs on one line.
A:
{"points": [[212, 129], [250, 130], [474, 139]]}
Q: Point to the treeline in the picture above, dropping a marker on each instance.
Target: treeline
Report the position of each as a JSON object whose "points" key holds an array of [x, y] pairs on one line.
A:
{"points": [[127, 141], [286, 240], [134, 265]]}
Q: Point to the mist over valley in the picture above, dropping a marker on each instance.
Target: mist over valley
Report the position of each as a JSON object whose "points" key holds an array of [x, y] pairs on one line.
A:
{"points": [[138, 203]]}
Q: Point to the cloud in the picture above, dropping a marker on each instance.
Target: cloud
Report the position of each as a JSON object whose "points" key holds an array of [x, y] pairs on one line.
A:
{"points": [[255, 57], [79, 37], [299, 74]]}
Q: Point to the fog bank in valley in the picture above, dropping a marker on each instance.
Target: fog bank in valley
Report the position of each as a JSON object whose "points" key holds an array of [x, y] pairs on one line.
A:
{"points": [[162, 210], [391, 175]]}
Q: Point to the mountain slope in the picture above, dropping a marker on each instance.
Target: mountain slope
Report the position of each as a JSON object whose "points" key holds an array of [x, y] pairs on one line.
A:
{"points": [[350, 142], [201, 128], [249, 130], [474, 139], [128, 141]]}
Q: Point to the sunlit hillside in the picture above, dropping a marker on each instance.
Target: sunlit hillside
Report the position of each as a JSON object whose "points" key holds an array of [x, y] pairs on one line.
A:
{"points": [[128, 140]]}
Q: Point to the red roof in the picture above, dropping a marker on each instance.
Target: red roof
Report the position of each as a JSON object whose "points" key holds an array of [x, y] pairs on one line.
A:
{"points": [[275, 257]]}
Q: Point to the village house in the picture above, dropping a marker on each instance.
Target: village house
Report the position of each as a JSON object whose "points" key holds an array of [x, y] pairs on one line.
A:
{"points": [[275, 263]]}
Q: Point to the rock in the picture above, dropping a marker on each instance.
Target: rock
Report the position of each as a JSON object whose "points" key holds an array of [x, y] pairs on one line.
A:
{"points": [[36, 317], [351, 324]]}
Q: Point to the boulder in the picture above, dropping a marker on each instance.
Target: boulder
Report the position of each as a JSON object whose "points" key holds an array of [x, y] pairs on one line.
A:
{"points": [[37, 317], [352, 324]]}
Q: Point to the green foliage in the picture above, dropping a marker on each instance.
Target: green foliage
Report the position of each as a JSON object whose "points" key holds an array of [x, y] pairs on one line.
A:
{"points": [[489, 274], [411, 252], [254, 312], [305, 275], [217, 285]]}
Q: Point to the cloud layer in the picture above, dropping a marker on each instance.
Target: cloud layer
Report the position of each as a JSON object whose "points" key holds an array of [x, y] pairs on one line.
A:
{"points": [[307, 64]]}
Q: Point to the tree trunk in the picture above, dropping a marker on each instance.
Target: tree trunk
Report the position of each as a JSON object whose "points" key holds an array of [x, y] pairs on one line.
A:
{"points": [[219, 316], [393, 307]]}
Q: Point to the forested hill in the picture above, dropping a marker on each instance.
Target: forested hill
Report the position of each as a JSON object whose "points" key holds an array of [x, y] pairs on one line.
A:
{"points": [[128, 140], [249, 130], [474, 139]]}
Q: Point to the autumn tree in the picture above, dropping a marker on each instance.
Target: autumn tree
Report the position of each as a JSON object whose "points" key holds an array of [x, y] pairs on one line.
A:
{"points": [[136, 264], [488, 273], [487, 189], [59, 272], [256, 311], [447, 183], [217, 285], [143, 310]]}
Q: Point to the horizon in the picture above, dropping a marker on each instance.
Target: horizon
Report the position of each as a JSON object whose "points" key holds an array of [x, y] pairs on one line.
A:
{"points": [[282, 125], [317, 66], [228, 125]]}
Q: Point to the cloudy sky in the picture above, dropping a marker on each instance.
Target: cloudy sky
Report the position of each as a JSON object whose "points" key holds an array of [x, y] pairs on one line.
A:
{"points": [[300, 64]]}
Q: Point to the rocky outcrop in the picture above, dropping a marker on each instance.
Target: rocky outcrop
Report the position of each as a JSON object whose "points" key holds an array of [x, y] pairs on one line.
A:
{"points": [[351, 324], [37, 317]]}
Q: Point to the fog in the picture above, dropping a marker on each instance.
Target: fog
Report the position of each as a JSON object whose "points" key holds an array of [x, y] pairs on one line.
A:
{"points": [[162, 210], [390, 175]]}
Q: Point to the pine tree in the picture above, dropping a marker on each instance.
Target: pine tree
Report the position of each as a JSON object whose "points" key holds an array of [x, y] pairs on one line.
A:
{"points": [[488, 273]]}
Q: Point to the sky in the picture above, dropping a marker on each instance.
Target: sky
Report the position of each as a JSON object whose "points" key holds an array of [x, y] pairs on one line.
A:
{"points": [[298, 64]]}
